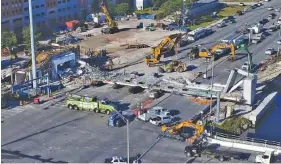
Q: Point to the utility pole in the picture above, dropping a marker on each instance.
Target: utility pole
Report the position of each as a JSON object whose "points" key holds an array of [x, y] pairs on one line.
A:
{"points": [[32, 46], [212, 82]]}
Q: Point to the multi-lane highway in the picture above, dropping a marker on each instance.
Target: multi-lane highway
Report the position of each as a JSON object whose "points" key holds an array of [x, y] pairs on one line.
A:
{"points": [[222, 70]]}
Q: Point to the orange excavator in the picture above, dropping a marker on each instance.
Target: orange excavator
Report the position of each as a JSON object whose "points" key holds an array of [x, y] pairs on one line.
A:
{"points": [[154, 57], [184, 131]]}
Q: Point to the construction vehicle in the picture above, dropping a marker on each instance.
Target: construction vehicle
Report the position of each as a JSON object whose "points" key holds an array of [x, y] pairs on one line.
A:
{"points": [[154, 57], [112, 25], [175, 65], [194, 53], [89, 103], [182, 130], [218, 50]]}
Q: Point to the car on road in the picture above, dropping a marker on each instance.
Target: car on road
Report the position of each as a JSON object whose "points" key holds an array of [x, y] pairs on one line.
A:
{"points": [[279, 41], [263, 21], [269, 51], [230, 18], [271, 16], [221, 25], [270, 8], [259, 4], [161, 120], [277, 10], [239, 12], [245, 66]]}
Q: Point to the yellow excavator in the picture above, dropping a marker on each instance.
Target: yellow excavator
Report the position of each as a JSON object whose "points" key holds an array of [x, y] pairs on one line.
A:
{"points": [[182, 130], [112, 25], [154, 57], [218, 50]]}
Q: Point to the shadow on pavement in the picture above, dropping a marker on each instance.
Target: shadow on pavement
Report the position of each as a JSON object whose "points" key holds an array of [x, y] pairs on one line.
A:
{"points": [[8, 154], [42, 131]]}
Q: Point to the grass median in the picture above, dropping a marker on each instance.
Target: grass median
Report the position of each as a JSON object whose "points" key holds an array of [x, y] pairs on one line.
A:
{"points": [[225, 12]]}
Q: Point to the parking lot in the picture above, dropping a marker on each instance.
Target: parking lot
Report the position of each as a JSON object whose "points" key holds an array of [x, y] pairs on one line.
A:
{"points": [[72, 136]]}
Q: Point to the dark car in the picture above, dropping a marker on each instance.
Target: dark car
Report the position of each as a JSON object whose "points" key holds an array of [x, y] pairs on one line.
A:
{"points": [[239, 12], [230, 18], [263, 21]]}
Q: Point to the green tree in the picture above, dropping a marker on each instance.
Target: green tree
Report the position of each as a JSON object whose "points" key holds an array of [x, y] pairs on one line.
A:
{"points": [[111, 8], [8, 39], [26, 37], [157, 3], [122, 9]]}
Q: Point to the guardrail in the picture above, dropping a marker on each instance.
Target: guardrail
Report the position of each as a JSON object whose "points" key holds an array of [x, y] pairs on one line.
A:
{"points": [[247, 140]]}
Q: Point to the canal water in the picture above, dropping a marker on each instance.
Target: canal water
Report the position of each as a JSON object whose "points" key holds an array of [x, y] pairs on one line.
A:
{"points": [[270, 127]]}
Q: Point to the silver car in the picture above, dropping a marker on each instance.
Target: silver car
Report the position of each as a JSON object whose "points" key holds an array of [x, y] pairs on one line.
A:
{"points": [[269, 51]]}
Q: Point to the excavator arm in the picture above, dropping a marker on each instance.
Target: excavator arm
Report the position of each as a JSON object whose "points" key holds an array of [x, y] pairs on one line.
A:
{"points": [[223, 46], [154, 58], [112, 25], [176, 129]]}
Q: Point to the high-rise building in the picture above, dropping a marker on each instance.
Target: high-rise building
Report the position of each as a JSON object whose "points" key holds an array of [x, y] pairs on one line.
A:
{"points": [[47, 14]]}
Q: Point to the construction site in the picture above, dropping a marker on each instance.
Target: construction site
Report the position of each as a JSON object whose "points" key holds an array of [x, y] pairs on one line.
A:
{"points": [[137, 89]]}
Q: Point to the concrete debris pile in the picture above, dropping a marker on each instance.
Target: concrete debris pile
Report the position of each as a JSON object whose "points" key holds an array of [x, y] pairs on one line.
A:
{"points": [[67, 39]]}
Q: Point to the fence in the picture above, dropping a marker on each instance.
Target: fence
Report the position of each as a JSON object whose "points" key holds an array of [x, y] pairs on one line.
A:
{"points": [[247, 140]]}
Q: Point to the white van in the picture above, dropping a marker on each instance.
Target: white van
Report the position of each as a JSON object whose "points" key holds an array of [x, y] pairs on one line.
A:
{"points": [[266, 158]]}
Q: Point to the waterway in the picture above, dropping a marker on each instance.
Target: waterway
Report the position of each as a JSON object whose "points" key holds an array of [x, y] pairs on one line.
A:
{"points": [[270, 127]]}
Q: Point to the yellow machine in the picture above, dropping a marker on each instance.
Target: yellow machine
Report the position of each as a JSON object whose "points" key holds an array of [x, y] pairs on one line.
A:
{"points": [[214, 51], [154, 57], [177, 131], [112, 25]]}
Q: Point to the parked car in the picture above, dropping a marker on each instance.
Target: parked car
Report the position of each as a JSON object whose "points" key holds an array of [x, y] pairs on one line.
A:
{"points": [[263, 21], [230, 18], [270, 8], [279, 41], [269, 51], [259, 4], [115, 160], [241, 4], [161, 120]]}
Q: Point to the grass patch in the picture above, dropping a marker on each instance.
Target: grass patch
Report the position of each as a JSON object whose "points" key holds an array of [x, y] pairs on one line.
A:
{"points": [[225, 12], [235, 125]]}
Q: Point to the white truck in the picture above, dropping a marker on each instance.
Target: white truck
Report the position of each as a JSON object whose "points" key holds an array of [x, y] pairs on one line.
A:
{"points": [[279, 21], [152, 113], [256, 29], [266, 158], [256, 38]]}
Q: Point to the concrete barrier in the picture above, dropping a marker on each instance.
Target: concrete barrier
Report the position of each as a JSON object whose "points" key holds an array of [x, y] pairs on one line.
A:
{"points": [[264, 106], [245, 145]]}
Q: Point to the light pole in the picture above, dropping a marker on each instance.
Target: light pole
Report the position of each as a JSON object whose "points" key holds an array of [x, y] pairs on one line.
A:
{"points": [[32, 45], [128, 139]]}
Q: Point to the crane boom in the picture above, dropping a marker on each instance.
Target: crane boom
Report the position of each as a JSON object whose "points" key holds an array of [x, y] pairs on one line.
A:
{"points": [[112, 25]]}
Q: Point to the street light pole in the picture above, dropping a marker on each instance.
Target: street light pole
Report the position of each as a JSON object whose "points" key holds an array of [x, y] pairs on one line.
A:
{"points": [[32, 45], [128, 139]]}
